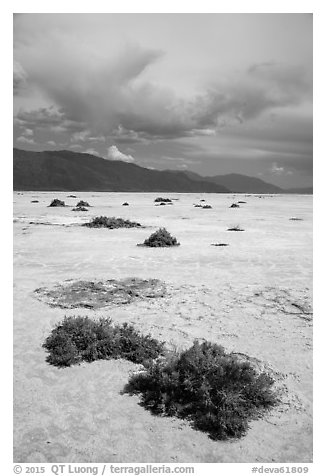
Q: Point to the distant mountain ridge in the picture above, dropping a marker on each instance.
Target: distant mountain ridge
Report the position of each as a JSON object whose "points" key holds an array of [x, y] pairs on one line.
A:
{"points": [[240, 183], [67, 170]]}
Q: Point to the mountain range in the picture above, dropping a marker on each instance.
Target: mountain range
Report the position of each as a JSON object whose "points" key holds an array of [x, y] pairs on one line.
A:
{"points": [[74, 171]]}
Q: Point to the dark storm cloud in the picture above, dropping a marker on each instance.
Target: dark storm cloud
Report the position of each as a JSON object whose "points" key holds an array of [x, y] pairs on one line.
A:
{"points": [[110, 101]]}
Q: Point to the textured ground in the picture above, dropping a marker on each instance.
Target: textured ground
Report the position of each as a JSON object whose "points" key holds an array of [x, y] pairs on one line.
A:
{"points": [[252, 297]]}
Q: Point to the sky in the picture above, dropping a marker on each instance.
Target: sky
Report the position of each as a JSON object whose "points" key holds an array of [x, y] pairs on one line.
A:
{"points": [[208, 93]]}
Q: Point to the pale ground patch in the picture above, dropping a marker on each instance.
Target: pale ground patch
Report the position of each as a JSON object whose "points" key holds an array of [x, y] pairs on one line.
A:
{"points": [[252, 297]]}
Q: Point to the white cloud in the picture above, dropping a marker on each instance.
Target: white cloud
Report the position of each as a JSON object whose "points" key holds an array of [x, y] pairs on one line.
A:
{"points": [[25, 140], [92, 152], [28, 133], [115, 154], [275, 169], [80, 136], [51, 142]]}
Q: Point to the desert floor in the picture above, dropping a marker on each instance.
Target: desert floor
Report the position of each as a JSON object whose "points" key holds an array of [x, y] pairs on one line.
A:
{"points": [[252, 297]]}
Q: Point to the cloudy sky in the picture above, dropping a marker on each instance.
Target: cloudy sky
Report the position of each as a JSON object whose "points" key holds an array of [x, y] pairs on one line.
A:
{"points": [[209, 93]]}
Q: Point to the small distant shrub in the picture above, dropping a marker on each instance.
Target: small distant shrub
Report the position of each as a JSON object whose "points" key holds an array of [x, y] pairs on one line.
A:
{"points": [[125, 204], [202, 200], [78, 339], [198, 206], [80, 209], [240, 201], [206, 206], [296, 219], [81, 203], [34, 201], [219, 244], [215, 390], [161, 238], [72, 196], [57, 203], [160, 199], [111, 222], [234, 205], [235, 228]]}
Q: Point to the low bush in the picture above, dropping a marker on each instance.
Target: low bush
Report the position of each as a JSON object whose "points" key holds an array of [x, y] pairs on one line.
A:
{"points": [[34, 201], [161, 199], [161, 238], [125, 204], [215, 390], [235, 228], [80, 209], [57, 203], [111, 222], [235, 205], [205, 207], [81, 203], [78, 339]]}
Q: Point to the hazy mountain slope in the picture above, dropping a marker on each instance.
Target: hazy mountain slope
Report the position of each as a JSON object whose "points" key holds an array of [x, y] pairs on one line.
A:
{"points": [[67, 170], [240, 183]]}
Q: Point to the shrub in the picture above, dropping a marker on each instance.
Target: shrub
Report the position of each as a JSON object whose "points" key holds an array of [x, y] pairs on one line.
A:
{"points": [[80, 209], [219, 244], [57, 203], [206, 206], [198, 206], [235, 205], [241, 201], [78, 339], [125, 204], [111, 222], [161, 199], [215, 390], [34, 201], [81, 203], [235, 228], [161, 238], [72, 196]]}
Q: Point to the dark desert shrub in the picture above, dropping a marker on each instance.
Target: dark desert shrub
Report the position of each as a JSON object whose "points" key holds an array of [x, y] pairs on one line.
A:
{"points": [[72, 196], [111, 222], [235, 228], [161, 199], [81, 203], [34, 201], [295, 219], [57, 203], [161, 238], [206, 207], [215, 390], [219, 244], [202, 200], [80, 209], [78, 339], [241, 201], [125, 204], [235, 205], [197, 205]]}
